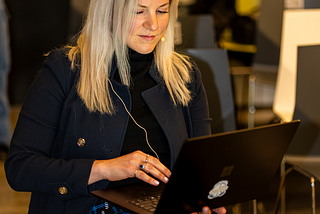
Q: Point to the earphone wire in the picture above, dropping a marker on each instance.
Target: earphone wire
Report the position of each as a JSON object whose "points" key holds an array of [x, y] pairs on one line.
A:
{"points": [[125, 107]]}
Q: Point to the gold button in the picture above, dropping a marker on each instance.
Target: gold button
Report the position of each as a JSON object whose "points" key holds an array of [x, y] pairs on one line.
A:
{"points": [[63, 190], [81, 142]]}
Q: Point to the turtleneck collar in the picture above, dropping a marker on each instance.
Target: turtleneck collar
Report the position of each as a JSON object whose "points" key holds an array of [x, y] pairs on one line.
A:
{"points": [[135, 56], [139, 63]]}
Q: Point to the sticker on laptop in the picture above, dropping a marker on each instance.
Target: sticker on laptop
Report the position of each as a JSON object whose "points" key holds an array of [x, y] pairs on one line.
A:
{"points": [[219, 189]]}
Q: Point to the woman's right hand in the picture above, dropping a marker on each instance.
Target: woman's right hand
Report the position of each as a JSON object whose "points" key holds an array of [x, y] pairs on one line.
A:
{"points": [[206, 210], [127, 166]]}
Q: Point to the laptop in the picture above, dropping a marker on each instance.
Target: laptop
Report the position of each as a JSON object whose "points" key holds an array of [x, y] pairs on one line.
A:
{"points": [[215, 170]]}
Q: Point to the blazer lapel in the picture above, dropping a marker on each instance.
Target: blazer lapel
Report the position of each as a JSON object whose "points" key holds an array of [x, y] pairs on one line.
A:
{"points": [[170, 117]]}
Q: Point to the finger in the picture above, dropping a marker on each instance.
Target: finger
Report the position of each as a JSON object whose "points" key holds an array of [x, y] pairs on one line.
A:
{"points": [[206, 210], [159, 166], [220, 210], [151, 165], [149, 168], [146, 178]]}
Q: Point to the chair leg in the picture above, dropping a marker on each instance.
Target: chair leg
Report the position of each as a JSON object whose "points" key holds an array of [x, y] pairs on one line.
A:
{"points": [[283, 190], [313, 193], [251, 96], [254, 207]]}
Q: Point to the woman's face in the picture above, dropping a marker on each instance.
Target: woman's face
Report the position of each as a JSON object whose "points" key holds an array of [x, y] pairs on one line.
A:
{"points": [[150, 25]]}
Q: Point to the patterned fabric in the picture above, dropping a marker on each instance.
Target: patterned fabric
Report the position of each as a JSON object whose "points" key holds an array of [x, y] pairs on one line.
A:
{"points": [[103, 207]]}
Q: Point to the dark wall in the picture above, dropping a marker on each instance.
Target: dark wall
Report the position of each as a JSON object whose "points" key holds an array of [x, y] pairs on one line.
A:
{"points": [[223, 12], [311, 4], [36, 27]]}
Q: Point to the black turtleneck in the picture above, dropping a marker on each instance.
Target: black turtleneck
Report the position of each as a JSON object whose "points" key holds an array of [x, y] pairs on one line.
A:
{"points": [[135, 137]]}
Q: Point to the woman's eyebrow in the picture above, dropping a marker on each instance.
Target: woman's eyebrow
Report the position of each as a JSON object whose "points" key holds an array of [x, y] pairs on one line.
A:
{"points": [[139, 5], [164, 4]]}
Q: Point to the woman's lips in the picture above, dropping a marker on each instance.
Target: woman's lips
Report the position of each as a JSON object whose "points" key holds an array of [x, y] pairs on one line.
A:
{"points": [[146, 37]]}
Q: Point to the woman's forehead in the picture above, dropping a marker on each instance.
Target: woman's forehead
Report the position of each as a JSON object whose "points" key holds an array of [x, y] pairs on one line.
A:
{"points": [[153, 2]]}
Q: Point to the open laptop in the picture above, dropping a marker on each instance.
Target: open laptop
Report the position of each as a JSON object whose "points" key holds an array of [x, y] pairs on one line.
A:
{"points": [[216, 170]]}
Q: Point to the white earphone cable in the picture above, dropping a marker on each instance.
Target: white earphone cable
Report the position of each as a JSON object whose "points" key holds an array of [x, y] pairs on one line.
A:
{"points": [[125, 107]]}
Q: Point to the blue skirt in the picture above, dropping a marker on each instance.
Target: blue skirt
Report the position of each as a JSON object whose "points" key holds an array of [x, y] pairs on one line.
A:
{"points": [[104, 207]]}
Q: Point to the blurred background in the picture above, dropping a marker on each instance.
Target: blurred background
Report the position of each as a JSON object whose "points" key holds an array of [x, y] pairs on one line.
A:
{"points": [[36, 27], [248, 30]]}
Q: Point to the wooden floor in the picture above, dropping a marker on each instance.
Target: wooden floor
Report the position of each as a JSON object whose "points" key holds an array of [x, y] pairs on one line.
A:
{"points": [[298, 193], [11, 202]]}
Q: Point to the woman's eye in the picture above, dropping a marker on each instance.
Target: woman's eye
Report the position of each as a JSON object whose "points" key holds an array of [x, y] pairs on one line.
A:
{"points": [[163, 11], [139, 11]]}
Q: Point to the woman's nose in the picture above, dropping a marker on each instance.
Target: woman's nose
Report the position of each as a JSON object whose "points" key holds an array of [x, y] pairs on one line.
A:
{"points": [[151, 22]]}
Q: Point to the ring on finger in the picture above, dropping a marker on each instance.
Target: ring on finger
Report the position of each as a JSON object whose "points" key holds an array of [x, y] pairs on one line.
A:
{"points": [[142, 165], [135, 173], [146, 158]]}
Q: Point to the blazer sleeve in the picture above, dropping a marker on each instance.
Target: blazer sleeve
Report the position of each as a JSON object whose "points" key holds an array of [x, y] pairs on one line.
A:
{"points": [[30, 165], [198, 107]]}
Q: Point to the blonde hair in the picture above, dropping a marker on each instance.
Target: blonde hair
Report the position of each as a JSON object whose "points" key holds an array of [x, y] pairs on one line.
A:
{"points": [[104, 37]]}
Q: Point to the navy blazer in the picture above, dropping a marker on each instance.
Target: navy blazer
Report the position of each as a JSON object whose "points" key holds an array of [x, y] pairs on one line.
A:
{"points": [[47, 156]]}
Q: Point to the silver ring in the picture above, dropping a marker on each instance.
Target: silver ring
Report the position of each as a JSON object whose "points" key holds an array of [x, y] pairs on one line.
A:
{"points": [[141, 165], [146, 158], [135, 173]]}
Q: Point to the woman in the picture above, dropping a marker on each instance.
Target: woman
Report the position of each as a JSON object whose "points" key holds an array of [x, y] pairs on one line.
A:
{"points": [[79, 128]]}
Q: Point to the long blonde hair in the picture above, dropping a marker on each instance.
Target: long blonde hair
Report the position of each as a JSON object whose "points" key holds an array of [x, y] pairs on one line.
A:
{"points": [[104, 36]]}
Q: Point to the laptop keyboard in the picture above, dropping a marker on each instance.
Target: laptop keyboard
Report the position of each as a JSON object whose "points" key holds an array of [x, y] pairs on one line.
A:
{"points": [[148, 203]]}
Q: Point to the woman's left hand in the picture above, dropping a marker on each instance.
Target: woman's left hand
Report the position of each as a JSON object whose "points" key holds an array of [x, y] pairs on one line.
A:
{"points": [[206, 210]]}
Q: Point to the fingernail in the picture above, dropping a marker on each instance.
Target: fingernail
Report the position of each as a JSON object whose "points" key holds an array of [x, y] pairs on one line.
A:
{"points": [[206, 209], [166, 179], [156, 182]]}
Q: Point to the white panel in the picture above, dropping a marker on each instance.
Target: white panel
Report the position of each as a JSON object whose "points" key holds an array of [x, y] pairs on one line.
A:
{"points": [[300, 27]]}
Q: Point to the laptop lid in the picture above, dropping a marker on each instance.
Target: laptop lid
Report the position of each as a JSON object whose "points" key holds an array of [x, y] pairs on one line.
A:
{"points": [[216, 170]]}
